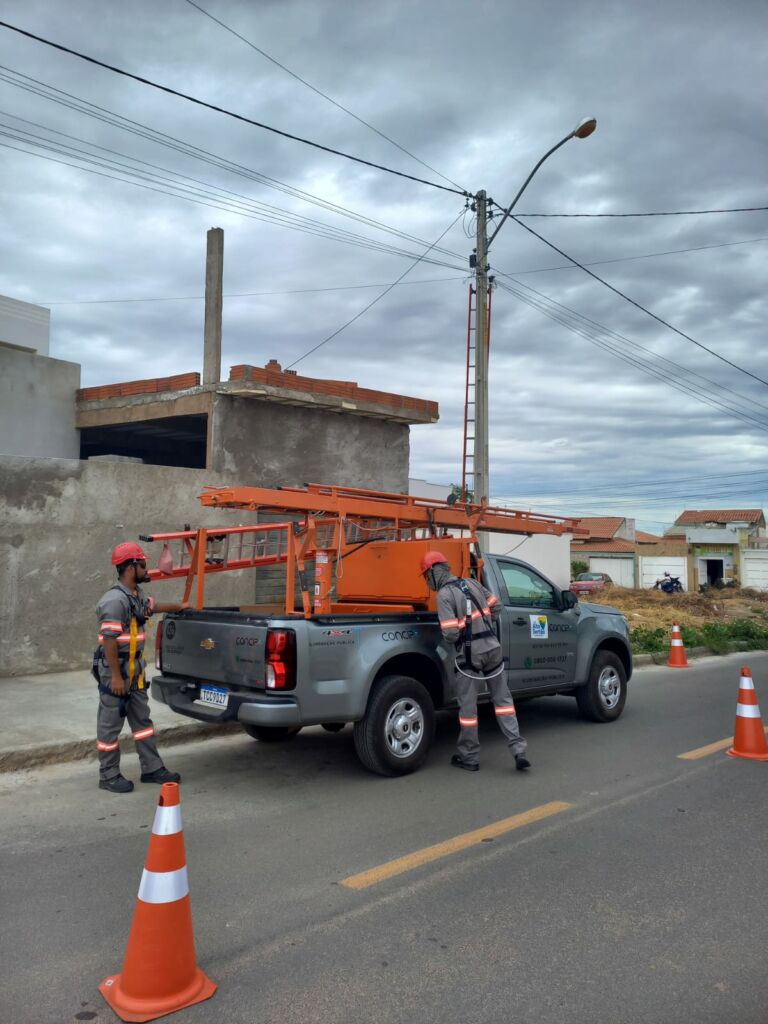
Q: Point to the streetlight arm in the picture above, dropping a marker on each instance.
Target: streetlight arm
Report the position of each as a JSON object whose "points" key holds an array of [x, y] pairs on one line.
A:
{"points": [[523, 187]]}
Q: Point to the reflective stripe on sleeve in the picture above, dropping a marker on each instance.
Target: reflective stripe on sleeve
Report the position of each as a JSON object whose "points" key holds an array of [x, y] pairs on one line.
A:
{"points": [[449, 623], [163, 886], [167, 820], [747, 711], [467, 723], [106, 747], [508, 710], [492, 600], [144, 734]]}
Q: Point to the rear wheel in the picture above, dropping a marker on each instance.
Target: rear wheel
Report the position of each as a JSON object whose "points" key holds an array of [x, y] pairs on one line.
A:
{"points": [[602, 698], [272, 733], [396, 733]]}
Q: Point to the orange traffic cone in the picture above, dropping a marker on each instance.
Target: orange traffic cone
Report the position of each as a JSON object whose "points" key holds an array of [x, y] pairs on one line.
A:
{"points": [[749, 734], [160, 973], [677, 658]]}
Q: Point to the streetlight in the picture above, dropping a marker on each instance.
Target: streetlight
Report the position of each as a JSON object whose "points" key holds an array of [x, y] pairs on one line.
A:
{"points": [[481, 483]]}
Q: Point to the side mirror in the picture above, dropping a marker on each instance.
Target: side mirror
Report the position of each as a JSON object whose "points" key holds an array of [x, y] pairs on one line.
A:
{"points": [[568, 599]]}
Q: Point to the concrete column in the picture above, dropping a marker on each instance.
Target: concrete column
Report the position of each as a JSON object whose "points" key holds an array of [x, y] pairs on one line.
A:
{"points": [[214, 278]]}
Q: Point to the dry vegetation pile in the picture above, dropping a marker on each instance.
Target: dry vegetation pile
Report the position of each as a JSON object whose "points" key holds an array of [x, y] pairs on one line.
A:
{"points": [[711, 619]]}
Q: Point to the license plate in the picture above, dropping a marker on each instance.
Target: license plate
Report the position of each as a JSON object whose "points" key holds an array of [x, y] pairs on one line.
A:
{"points": [[213, 695]]}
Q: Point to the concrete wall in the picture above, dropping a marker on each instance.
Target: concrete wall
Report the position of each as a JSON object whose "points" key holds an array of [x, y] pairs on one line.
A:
{"points": [[267, 444], [24, 324], [59, 520], [550, 555], [37, 405]]}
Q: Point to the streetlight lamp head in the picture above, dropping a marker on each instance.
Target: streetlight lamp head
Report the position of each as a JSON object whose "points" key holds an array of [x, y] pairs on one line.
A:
{"points": [[585, 127]]}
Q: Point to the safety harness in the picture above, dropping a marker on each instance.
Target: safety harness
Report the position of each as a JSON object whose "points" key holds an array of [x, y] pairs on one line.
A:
{"points": [[465, 646], [126, 659]]}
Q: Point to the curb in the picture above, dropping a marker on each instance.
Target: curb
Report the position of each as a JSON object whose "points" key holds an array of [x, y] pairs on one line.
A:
{"points": [[84, 750], [660, 657]]}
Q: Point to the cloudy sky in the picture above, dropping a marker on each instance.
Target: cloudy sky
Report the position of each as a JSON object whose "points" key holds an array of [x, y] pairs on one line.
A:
{"points": [[584, 418]]}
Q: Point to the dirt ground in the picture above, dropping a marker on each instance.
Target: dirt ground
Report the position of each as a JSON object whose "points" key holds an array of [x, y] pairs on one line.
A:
{"points": [[653, 609]]}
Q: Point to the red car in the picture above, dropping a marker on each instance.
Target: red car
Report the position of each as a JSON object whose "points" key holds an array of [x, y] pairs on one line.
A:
{"points": [[586, 582]]}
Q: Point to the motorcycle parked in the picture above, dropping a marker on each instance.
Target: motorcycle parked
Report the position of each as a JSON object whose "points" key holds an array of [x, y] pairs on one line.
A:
{"points": [[669, 584]]}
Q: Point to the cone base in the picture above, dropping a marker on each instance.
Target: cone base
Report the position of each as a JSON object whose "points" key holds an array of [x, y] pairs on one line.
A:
{"points": [[671, 664], [732, 752], [139, 1010]]}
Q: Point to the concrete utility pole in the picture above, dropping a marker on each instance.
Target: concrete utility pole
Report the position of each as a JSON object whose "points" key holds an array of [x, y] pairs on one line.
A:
{"points": [[481, 477], [214, 279]]}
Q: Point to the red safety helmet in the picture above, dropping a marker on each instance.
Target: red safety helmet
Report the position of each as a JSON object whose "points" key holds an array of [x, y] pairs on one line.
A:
{"points": [[430, 558], [127, 552]]}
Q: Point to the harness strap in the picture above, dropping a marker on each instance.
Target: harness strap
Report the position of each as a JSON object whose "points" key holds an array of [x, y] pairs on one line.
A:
{"points": [[471, 599]]}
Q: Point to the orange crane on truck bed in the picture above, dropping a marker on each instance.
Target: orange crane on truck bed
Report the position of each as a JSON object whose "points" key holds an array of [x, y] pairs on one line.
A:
{"points": [[365, 546]]}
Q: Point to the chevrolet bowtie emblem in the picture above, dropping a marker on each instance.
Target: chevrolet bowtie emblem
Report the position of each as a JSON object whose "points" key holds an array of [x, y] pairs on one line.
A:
{"points": [[208, 644]]}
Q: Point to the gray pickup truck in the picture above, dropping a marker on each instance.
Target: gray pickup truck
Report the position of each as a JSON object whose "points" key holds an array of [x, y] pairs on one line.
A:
{"points": [[387, 673]]}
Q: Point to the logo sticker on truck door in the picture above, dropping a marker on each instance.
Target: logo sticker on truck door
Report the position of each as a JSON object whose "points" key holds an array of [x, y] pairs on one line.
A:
{"points": [[539, 627]]}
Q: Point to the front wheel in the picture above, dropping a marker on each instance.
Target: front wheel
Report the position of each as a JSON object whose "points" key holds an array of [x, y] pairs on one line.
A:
{"points": [[272, 733], [394, 736], [603, 696]]}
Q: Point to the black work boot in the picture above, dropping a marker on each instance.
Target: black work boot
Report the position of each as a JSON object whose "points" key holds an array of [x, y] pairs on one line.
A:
{"points": [[468, 766], [522, 763], [160, 775], [117, 784]]}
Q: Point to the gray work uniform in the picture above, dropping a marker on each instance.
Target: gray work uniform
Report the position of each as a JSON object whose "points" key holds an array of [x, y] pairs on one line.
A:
{"points": [[122, 615], [487, 664]]}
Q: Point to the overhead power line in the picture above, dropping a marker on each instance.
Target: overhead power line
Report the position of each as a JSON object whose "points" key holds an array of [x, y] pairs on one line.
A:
{"points": [[665, 213], [633, 302], [103, 114], [224, 110], [655, 483], [679, 384], [433, 280], [571, 314], [325, 96], [378, 297], [243, 295], [235, 202]]}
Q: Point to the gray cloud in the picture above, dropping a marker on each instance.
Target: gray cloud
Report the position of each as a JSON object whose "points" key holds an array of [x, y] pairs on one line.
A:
{"points": [[478, 91]]}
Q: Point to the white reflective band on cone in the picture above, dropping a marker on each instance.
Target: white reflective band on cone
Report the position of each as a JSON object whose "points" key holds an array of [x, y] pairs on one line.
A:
{"points": [[167, 820], [676, 643], [747, 710], [163, 886], [746, 683]]}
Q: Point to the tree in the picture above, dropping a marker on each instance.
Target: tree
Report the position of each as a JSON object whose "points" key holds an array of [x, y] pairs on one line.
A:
{"points": [[577, 567]]}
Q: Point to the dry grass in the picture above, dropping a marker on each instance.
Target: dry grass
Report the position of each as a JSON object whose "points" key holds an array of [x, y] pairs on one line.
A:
{"points": [[656, 610]]}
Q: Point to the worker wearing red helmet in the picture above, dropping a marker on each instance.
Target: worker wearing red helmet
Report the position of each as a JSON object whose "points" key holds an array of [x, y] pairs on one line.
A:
{"points": [[118, 666], [467, 614]]}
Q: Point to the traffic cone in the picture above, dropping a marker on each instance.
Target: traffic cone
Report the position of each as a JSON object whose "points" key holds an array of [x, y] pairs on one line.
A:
{"points": [[160, 973], [677, 658], [749, 734]]}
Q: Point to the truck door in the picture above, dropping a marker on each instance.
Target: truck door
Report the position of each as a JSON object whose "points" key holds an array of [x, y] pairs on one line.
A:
{"points": [[539, 639]]}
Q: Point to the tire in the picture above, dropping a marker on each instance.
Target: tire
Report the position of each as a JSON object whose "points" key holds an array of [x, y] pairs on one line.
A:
{"points": [[603, 696], [333, 726], [394, 736], [272, 733]]}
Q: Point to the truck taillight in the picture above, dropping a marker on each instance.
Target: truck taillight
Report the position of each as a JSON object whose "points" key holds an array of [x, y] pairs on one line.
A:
{"points": [[281, 659], [159, 645]]}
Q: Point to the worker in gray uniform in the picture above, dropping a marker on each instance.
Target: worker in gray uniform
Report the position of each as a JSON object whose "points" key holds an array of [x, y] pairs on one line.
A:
{"points": [[467, 614], [118, 667]]}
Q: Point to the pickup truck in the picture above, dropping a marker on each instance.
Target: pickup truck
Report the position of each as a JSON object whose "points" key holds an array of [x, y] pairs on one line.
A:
{"points": [[387, 673]]}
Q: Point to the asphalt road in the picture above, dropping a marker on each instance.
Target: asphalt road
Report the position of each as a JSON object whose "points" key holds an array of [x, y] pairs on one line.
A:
{"points": [[641, 901]]}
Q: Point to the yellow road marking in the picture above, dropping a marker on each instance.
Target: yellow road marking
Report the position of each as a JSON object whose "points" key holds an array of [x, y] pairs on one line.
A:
{"points": [[445, 849], [711, 748]]}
